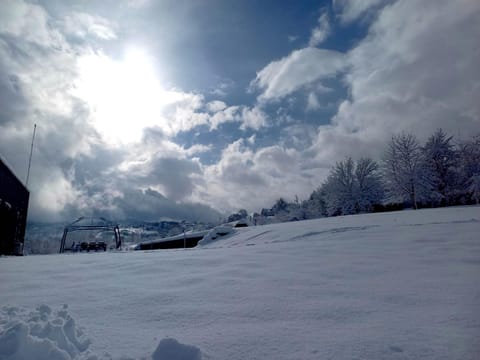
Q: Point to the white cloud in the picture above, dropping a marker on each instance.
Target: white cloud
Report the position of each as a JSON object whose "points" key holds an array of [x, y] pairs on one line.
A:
{"points": [[292, 38], [40, 80], [53, 202], [29, 22], [223, 87], [138, 3], [351, 10], [300, 68], [253, 118], [182, 113], [222, 116], [417, 70], [197, 149], [321, 31], [298, 135], [216, 105], [155, 144], [312, 102], [80, 25], [244, 178]]}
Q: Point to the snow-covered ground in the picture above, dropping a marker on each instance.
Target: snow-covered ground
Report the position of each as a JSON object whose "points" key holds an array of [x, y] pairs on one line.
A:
{"points": [[401, 285]]}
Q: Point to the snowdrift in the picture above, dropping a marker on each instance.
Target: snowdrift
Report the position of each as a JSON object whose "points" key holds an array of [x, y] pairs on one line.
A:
{"points": [[43, 334]]}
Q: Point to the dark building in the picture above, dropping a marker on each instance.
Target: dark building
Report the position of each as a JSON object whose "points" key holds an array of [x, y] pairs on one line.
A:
{"points": [[13, 211]]}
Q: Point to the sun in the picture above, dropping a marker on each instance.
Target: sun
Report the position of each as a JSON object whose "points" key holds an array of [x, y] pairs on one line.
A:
{"points": [[124, 96]]}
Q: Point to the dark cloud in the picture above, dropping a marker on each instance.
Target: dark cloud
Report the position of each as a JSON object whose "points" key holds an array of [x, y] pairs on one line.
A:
{"points": [[242, 174], [152, 206], [12, 99], [174, 175], [91, 170]]}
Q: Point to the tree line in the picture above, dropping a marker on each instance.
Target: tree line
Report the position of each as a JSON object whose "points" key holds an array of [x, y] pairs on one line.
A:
{"points": [[441, 172]]}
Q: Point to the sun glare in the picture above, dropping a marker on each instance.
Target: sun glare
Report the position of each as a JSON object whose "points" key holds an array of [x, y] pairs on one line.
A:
{"points": [[124, 96]]}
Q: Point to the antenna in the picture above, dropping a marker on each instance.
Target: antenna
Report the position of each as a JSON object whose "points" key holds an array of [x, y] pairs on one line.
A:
{"points": [[31, 151]]}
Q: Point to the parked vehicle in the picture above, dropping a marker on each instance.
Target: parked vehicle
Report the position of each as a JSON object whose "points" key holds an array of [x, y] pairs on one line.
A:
{"points": [[93, 246]]}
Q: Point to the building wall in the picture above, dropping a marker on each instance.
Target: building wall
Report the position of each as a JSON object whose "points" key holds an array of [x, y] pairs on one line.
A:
{"points": [[13, 212]]}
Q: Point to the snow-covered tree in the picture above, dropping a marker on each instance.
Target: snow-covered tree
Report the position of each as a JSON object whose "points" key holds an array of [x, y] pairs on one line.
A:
{"points": [[280, 205], [474, 188], [469, 168], [351, 188], [241, 214], [267, 212], [439, 158], [339, 189], [314, 206], [287, 211], [369, 184], [404, 173]]}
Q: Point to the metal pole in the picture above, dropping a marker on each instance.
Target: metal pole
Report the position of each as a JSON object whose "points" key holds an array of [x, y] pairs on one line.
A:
{"points": [[118, 238], [31, 151], [62, 243], [184, 239]]}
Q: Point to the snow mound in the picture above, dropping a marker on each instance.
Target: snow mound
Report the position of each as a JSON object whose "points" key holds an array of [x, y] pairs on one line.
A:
{"points": [[44, 334], [215, 233], [171, 349], [41, 334]]}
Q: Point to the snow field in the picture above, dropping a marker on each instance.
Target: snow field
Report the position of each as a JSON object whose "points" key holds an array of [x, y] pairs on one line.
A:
{"points": [[403, 285]]}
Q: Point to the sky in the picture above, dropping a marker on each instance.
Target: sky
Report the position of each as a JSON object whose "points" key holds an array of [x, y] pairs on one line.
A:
{"points": [[178, 109]]}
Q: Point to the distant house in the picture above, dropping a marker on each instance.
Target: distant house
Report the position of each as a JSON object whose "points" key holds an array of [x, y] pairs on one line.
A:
{"points": [[13, 211]]}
